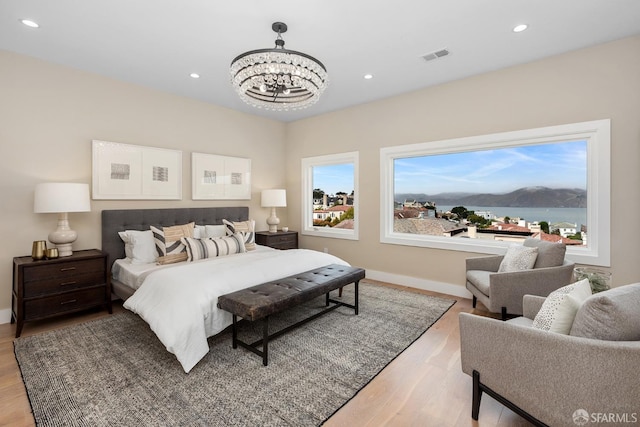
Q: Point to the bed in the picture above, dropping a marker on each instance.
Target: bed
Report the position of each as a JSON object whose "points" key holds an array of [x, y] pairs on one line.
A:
{"points": [[179, 301]]}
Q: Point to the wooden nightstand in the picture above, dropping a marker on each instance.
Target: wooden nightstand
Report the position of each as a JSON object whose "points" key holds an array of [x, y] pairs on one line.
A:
{"points": [[278, 240], [49, 288]]}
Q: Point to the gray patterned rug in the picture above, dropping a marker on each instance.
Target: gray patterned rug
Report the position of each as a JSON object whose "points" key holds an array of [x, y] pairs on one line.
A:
{"points": [[115, 372]]}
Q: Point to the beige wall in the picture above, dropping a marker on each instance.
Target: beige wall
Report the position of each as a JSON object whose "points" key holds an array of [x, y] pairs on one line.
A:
{"points": [[595, 83], [48, 116]]}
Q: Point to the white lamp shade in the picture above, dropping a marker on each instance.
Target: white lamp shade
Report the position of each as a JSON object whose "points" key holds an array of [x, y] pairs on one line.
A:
{"points": [[274, 198], [59, 197]]}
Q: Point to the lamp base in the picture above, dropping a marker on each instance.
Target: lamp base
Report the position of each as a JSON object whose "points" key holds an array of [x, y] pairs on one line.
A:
{"points": [[64, 249], [273, 221], [63, 236]]}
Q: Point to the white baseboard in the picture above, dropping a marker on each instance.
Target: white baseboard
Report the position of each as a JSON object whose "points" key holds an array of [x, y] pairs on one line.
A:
{"points": [[5, 316], [414, 282]]}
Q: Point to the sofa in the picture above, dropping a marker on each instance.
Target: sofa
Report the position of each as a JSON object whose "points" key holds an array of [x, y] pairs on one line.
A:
{"points": [[588, 375]]}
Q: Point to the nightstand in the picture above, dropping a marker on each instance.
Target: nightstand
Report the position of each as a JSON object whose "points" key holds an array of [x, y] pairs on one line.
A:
{"points": [[279, 240], [48, 288]]}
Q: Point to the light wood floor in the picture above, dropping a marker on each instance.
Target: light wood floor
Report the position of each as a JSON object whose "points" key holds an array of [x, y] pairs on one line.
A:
{"points": [[424, 386]]}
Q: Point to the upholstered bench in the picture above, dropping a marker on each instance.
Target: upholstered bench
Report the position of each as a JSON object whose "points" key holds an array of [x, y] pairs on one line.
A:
{"points": [[261, 301]]}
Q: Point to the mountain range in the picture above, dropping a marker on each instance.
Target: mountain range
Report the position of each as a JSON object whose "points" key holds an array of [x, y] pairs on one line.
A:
{"points": [[526, 197]]}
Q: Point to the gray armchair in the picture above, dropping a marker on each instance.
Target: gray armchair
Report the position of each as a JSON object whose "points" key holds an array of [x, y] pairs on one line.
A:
{"points": [[551, 378], [503, 292]]}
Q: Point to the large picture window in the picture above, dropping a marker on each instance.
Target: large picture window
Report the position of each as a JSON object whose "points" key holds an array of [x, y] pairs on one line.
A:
{"points": [[330, 196], [480, 194]]}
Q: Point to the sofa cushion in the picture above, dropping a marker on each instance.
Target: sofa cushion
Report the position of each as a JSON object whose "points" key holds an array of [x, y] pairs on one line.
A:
{"points": [[549, 254], [559, 309], [612, 315], [518, 258], [480, 279]]}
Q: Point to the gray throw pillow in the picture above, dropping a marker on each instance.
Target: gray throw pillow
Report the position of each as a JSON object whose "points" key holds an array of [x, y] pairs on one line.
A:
{"points": [[612, 315], [549, 254]]}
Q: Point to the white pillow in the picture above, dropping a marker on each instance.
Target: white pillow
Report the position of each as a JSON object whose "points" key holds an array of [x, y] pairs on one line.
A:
{"points": [[198, 249], [560, 307], [209, 231], [518, 258], [139, 246]]}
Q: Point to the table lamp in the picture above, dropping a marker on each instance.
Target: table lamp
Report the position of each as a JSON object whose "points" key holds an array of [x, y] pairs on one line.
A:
{"points": [[62, 198], [274, 199]]}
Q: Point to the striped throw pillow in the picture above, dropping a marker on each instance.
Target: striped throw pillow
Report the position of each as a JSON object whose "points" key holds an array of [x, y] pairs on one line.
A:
{"points": [[213, 247], [246, 229], [168, 245]]}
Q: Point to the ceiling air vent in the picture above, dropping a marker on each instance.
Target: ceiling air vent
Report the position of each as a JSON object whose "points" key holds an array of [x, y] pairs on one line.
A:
{"points": [[435, 55]]}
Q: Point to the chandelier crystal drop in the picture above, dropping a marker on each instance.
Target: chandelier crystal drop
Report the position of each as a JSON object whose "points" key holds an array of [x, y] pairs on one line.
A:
{"points": [[278, 79]]}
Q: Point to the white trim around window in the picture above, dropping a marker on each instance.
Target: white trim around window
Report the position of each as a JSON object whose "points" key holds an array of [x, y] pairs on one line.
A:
{"points": [[308, 164], [598, 136]]}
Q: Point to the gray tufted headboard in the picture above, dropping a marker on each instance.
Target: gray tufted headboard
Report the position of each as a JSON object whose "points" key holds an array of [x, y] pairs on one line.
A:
{"points": [[140, 219]]}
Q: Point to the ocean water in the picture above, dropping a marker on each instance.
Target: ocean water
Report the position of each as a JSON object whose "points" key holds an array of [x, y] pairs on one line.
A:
{"points": [[551, 215]]}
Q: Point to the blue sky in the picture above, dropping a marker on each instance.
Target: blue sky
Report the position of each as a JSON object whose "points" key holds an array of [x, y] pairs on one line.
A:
{"points": [[333, 178], [554, 165]]}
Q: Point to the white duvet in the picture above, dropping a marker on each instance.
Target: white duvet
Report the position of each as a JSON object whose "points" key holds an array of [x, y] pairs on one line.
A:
{"points": [[180, 303]]}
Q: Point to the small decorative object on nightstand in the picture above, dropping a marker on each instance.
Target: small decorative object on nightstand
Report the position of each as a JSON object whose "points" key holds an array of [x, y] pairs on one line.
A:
{"points": [[278, 240], [48, 288]]}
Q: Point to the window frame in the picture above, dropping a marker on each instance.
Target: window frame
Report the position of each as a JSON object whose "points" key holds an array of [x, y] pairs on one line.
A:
{"points": [[308, 163], [597, 133]]}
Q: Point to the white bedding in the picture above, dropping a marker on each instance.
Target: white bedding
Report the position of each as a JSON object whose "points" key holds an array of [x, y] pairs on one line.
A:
{"points": [[179, 302]]}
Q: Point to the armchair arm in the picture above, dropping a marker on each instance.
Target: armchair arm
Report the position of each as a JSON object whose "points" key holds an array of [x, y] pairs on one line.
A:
{"points": [[487, 263], [551, 375], [508, 289], [531, 305]]}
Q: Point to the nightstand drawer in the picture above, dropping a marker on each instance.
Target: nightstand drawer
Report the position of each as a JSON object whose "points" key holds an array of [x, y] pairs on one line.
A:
{"points": [[54, 285], [64, 269], [71, 301], [287, 238], [278, 240]]}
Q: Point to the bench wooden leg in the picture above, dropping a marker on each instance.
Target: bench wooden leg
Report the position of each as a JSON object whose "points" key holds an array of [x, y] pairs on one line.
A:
{"points": [[234, 332], [265, 341], [340, 293], [356, 283]]}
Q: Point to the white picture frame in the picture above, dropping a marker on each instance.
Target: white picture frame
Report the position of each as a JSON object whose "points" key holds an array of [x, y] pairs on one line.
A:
{"points": [[215, 177], [135, 172]]}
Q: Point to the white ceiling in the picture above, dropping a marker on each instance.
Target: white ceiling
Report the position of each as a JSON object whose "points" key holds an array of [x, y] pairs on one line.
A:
{"points": [[158, 43]]}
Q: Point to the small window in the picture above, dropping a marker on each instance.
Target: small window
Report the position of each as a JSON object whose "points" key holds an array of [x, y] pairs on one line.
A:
{"points": [[480, 194], [330, 196]]}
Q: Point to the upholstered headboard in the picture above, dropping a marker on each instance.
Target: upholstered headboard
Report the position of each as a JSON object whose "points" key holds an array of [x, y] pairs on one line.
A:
{"points": [[114, 221]]}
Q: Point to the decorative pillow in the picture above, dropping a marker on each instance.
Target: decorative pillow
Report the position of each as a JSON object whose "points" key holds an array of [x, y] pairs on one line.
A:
{"points": [[518, 258], [209, 231], [612, 315], [246, 229], [168, 245], [549, 254], [139, 246], [560, 307], [218, 246]]}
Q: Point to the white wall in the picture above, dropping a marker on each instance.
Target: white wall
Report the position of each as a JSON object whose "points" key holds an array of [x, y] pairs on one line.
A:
{"points": [[595, 83], [49, 114]]}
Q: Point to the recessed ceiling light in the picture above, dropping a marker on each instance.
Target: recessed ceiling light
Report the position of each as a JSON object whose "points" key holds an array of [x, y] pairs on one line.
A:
{"points": [[30, 23], [195, 75], [520, 28], [368, 76]]}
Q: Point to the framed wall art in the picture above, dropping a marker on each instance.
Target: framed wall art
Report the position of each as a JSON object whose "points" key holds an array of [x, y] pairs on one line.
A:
{"points": [[123, 171], [220, 177]]}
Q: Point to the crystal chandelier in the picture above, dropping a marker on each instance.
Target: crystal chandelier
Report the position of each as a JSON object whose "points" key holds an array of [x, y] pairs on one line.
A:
{"points": [[278, 79]]}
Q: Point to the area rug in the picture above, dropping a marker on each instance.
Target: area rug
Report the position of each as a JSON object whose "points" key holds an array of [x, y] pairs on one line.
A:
{"points": [[115, 372]]}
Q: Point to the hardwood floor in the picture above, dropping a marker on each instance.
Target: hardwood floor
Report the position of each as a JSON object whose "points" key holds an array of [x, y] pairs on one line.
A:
{"points": [[424, 386]]}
